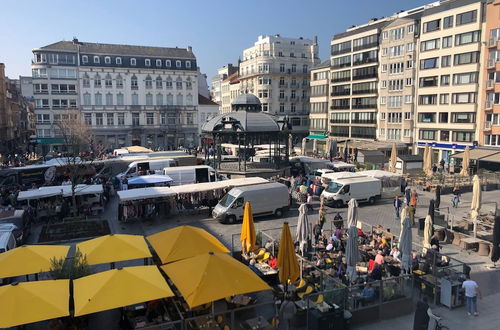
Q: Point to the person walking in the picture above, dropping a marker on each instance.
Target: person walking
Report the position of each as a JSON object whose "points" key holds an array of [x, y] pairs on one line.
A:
{"points": [[397, 206], [423, 313], [407, 195], [413, 199], [455, 200], [437, 197], [286, 313], [471, 292], [309, 202]]}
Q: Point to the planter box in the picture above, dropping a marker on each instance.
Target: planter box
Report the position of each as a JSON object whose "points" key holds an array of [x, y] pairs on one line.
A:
{"points": [[395, 308], [368, 314]]}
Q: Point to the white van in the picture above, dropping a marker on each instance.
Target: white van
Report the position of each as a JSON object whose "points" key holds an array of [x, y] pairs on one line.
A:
{"points": [[363, 189], [144, 167], [7, 239], [190, 174], [266, 199]]}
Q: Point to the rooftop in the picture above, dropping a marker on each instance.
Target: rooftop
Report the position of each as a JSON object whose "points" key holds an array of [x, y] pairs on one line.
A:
{"points": [[202, 100], [116, 49]]}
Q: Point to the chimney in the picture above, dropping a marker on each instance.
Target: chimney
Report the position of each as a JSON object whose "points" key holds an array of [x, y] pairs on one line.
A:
{"points": [[316, 40], [75, 41], [190, 49]]}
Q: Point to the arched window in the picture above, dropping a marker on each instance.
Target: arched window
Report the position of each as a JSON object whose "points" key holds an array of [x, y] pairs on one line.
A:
{"points": [[109, 99], [178, 64], [133, 82], [180, 99], [188, 64], [118, 60], [108, 82], [107, 60], [189, 99], [159, 99], [86, 99], [147, 62], [85, 59], [168, 82], [168, 63], [158, 63], [170, 99], [119, 99], [86, 80], [98, 99], [149, 82], [96, 59], [97, 81], [133, 62], [189, 85], [119, 81], [178, 83], [159, 82]]}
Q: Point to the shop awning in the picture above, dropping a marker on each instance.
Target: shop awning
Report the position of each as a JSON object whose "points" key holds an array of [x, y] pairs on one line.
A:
{"points": [[316, 137], [28, 302], [113, 248], [30, 259], [50, 191], [184, 242], [117, 288], [495, 158], [480, 154]]}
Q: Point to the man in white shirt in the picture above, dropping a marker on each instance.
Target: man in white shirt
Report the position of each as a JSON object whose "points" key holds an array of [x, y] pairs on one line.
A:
{"points": [[471, 293]]}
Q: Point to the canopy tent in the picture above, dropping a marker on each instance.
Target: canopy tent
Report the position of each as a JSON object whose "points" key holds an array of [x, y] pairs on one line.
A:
{"points": [[341, 175], [162, 192], [247, 236], [28, 302], [65, 191], [184, 242], [30, 259], [391, 182], [212, 276], [113, 248], [117, 288], [149, 179], [287, 260], [337, 164]]}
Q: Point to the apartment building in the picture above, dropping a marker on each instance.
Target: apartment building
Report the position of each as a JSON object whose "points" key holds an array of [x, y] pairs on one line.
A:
{"points": [[489, 114], [449, 76], [319, 100], [276, 69], [222, 74], [397, 80], [127, 94]]}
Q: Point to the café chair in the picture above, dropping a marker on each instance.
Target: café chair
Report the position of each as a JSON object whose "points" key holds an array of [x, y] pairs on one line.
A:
{"points": [[265, 257], [320, 299], [301, 284], [308, 290]]}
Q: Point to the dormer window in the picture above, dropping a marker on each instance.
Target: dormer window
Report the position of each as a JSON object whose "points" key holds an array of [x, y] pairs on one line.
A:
{"points": [[107, 60], [188, 64], [178, 64], [133, 62], [147, 62], [118, 60], [85, 59], [168, 63], [96, 60], [158, 63]]}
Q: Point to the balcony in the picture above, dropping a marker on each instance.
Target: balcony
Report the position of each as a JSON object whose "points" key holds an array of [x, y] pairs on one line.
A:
{"points": [[335, 80], [363, 121], [490, 84], [364, 91], [366, 46], [339, 121], [492, 42], [339, 107], [487, 125], [365, 76], [489, 105], [285, 85], [340, 93], [364, 106], [491, 63]]}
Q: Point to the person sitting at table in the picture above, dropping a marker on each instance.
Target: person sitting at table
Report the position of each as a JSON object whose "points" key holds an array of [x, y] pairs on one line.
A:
{"points": [[336, 242], [269, 245], [395, 253], [389, 236], [317, 232], [371, 264], [435, 241], [365, 256], [376, 273], [361, 233], [342, 269], [338, 233], [414, 261], [320, 260], [379, 258]]}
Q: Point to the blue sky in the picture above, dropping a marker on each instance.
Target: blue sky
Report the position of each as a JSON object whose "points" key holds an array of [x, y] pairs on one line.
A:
{"points": [[218, 30]]}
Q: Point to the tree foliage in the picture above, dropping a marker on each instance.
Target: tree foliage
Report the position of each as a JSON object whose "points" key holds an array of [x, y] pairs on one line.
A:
{"points": [[70, 268]]}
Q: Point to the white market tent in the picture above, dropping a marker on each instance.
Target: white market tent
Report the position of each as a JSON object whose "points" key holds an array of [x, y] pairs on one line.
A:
{"points": [[391, 182], [65, 191], [156, 192], [341, 175], [342, 165]]}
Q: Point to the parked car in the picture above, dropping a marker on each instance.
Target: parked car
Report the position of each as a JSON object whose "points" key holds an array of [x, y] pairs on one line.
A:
{"points": [[22, 222]]}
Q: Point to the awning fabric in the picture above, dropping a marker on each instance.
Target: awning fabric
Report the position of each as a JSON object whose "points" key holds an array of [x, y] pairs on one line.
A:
{"points": [[30, 302], [113, 248], [481, 154], [117, 288], [316, 136]]}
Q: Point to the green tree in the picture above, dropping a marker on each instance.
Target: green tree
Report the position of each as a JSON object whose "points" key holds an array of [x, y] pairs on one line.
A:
{"points": [[70, 268]]}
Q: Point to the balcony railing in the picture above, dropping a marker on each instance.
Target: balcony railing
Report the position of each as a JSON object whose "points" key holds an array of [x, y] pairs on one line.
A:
{"points": [[335, 80], [490, 83], [491, 63], [340, 93], [364, 121], [489, 105], [365, 76], [364, 106], [492, 42], [487, 125]]}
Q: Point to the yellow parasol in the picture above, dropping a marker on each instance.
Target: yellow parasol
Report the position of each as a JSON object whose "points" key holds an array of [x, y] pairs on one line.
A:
{"points": [[476, 201], [465, 162], [287, 260], [113, 248], [30, 259], [427, 231], [247, 236], [184, 242], [212, 276], [30, 302], [394, 155], [117, 288]]}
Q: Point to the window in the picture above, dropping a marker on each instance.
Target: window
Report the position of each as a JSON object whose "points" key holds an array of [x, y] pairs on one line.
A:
{"points": [[467, 17], [43, 118], [135, 119], [159, 99], [444, 135], [99, 119], [408, 116], [427, 135], [168, 63], [466, 58], [107, 60], [395, 68], [85, 59], [397, 51], [383, 100], [411, 28], [178, 83], [150, 119], [170, 99], [159, 83], [409, 99], [119, 82], [448, 22], [467, 38], [88, 119], [180, 99], [337, 76], [133, 62], [395, 102], [463, 117], [429, 81], [429, 45], [465, 78], [463, 136], [118, 61], [158, 63], [409, 64], [135, 99], [121, 118], [429, 63], [188, 64], [108, 82], [98, 99], [427, 99], [86, 99], [178, 64], [383, 84], [384, 67], [282, 107], [109, 99], [445, 80], [410, 47], [189, 84], [110, 119], [304, 68], [396, 85], [364, 58], [407, 132], [337, 62], [365, 42], [97, 81], [149, 82], [447, 42], [385, 35], [147, 62], [444, 98], [397, 34], [293, 107], [133, 83], [189, 99], [382, 131], [294, 67], [443, 117], [282, 67], [384, 51], [432, 25], [461, 98], [168, 83], [445, 61], [149, 99], [409, 82], [96, 59], [119, 99], [86, 81]]}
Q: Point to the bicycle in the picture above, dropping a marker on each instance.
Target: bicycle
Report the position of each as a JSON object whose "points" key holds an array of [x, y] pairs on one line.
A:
{"points": [[440, 326]]}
